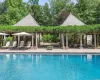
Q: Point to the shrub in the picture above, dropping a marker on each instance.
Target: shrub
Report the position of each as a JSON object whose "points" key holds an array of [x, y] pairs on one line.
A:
{"points": [[9, 39], [50, 38], [47, 38]]}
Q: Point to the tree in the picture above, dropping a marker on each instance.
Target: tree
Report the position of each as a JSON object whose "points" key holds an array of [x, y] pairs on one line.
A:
{"points": [[86, 10], [15, 10], [64, 13], [97, 14], [56, 7], [46, 15], [33, 2], [2, 8], [36, 11]]}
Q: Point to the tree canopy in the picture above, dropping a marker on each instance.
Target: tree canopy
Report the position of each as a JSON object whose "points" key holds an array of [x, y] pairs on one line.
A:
{"points": [[52, 13]]}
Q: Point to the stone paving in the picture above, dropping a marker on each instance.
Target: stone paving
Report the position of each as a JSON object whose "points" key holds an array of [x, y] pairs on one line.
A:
{"points": [[54, 50]]}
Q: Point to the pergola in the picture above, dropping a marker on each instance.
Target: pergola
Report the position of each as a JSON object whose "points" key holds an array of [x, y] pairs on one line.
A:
{"points": [[71, 21]]}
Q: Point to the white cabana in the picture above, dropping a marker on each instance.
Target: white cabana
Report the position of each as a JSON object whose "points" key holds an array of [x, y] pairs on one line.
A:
{"points": [[71, 20], [28, 21]]}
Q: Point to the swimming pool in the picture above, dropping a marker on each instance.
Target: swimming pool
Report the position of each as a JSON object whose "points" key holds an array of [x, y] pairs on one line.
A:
{"points": [[49, 67]]}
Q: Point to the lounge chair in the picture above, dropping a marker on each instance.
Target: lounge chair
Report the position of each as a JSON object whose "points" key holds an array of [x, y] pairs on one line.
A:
{"points": [[21, 45], [7, 45], [14, 45], [28, 45]]}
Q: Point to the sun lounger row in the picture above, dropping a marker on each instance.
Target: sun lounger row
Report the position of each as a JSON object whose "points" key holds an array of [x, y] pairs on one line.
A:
{"points": [[14, 45]]}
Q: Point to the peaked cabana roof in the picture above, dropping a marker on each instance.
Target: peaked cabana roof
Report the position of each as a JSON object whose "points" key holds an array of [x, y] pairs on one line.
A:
{"points": [[27, 21], [72, 20]]}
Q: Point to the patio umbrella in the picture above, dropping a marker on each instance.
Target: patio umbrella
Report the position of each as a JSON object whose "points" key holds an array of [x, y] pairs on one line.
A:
{"points": [[3, 34], [21, 34]]}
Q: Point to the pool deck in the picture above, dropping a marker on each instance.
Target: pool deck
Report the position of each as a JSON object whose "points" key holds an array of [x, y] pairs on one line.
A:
{"points": [[54, 50]]}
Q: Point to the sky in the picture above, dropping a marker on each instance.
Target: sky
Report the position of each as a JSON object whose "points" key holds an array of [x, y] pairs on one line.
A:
{"points": [[42, 2]]}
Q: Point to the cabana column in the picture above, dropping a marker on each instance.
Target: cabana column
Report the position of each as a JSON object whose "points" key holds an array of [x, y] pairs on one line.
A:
{"points": [[36, 40], [81, 46], [5, 37], [95, 41], [18, 40], [62, 38], [66, 41], [32, 39]]}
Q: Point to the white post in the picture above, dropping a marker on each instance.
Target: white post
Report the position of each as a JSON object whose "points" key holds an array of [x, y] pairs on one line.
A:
{"points": [[95, 40], [36, 41], [4, 39], [32, 39], [18, 40], [39, 38], [81, 46], [62, 37], [85, 40], [66, 41]]}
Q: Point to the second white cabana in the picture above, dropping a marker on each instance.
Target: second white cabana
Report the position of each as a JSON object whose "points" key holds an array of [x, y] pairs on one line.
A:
{"points": [[71, 20], [21, 34]]}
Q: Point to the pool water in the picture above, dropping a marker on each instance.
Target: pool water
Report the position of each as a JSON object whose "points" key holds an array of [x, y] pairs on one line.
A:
{"points": [[49, 67]]}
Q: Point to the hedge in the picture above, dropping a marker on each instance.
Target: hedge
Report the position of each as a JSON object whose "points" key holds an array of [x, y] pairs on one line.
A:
{"points": [[52, 29]]}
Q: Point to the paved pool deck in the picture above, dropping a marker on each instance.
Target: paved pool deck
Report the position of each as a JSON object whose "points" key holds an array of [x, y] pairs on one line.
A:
{"points": [[54, 50]]}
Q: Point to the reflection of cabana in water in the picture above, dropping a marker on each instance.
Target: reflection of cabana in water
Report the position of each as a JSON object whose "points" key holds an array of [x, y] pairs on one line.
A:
{"points": [[89, 57], [8, 56], [29, 21]]}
